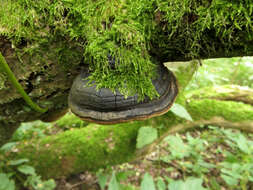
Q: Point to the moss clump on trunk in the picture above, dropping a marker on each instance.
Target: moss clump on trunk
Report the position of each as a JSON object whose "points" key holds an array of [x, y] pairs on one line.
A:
{"points": [[47, 42], [123, 40]]}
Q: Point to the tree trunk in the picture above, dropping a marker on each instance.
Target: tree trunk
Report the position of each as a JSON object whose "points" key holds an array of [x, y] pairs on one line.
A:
{"points": [[46, 48], [46, 82]]}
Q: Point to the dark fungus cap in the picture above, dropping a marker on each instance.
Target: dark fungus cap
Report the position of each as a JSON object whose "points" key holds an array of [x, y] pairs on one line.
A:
{"points": [[105, 107]]}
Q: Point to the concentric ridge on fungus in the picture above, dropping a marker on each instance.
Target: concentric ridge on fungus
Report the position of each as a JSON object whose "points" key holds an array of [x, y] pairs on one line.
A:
{"points": [[105, 107]]}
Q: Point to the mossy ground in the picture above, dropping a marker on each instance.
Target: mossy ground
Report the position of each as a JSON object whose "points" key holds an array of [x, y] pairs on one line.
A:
{"points": [[204, 154]]}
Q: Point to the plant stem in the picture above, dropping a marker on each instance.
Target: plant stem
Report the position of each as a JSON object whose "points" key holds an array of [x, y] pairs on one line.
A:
{"points": [[18, 87]]}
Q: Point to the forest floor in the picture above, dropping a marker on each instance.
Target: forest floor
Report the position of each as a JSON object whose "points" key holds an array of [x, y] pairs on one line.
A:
{"points": [[209, 158]]}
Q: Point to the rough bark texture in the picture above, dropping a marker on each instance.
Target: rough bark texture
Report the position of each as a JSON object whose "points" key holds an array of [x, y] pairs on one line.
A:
{"points": [[47, 82]]}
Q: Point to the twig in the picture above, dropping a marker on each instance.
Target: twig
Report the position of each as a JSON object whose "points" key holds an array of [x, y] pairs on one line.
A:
{"points": [[18, 87]]}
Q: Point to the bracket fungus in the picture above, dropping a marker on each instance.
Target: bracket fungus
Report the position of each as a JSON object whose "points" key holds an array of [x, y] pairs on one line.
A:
{"points": [[106, 107]]}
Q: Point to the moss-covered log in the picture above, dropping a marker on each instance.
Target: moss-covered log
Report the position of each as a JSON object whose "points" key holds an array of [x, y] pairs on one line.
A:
{"points": [[97, 146], [46, 43]]}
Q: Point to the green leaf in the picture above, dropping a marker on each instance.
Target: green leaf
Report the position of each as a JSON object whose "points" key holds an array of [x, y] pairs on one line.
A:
{"points": [[102, 179], [113, 185], [160, 184], [146, 135], [8, 146], [229, 180], [242, 144], [178, 148], [147, 183], [33, 181], [190, 183], [26, 169], [6, 183], [11, 185], [176, 185], [17, 162], [48, 185], [180, 111], [214, 184], [123, 175], [128, 187]]}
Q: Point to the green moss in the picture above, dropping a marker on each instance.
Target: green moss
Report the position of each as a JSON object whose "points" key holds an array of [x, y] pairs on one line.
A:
{"points": [[99, 146], [69, 121], [90, 148], [130, 31], [96, 146], [224, 92], [186, 22], [233, 103], [229, 110]]}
